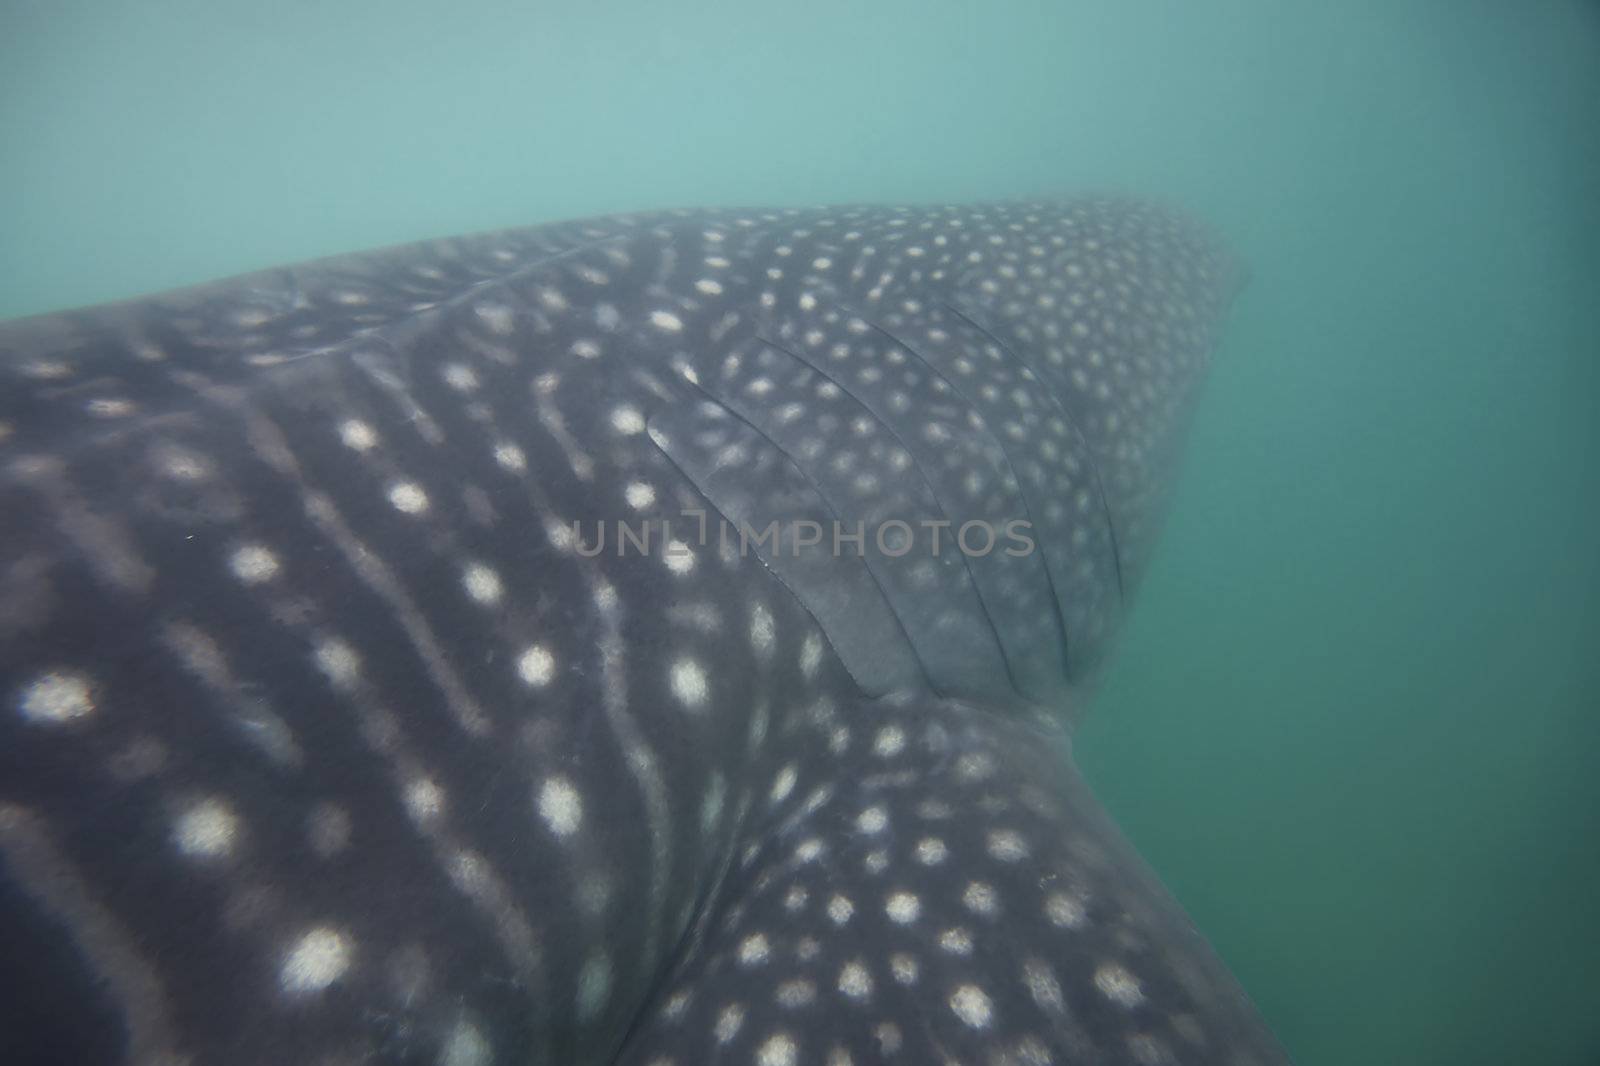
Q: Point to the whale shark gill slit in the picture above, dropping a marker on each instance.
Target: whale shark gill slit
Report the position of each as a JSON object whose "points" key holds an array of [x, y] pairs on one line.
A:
{"points": [[1094, 464], [1004, 453], [831, 590], [919, 465]]}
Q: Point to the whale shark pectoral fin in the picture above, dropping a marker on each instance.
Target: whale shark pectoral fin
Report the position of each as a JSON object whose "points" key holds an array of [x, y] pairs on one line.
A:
{"points": [[949, 890]]}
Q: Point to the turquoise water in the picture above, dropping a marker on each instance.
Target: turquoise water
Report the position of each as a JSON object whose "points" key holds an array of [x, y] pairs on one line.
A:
{"points": [[1352, 722]]}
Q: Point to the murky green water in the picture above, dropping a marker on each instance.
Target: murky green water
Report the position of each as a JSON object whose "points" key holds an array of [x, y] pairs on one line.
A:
{"points": [[1353, 722]]}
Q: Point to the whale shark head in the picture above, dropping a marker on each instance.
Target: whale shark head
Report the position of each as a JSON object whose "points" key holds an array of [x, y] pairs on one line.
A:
{"points": [[644, 640], [1034, 387]]}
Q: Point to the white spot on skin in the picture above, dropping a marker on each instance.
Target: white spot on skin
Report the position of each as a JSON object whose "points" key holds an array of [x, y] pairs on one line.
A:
{"points": [[560, 534], [407, 496], [679, 557], [183, 465], [1043, 986], [1064, 911], [872, 820], [840, 909], [1118, 985], [594, 893], [675, 1006], [666, 321], [639, 495], [424, 799], [1007, 845], [956, 941], [890, 741], [783, 784], [810, 655], [797, 993], [594, 986], [627, 420], [317, 960], [931, 851], [510, 457], [981, 899], [778, 1050], [482, 584], [460, 377], [688, 681], [763, 632], [206, 830], [357, 435], [497, 317], [55, 698], [709, 286], [904, 968], [253, 564], [754, 950], [728, 1023], [560, 806], [972, 1006], [902, 908], [854, 981], [109, 407], [536, 666], [974, 766], [466, 1046]]}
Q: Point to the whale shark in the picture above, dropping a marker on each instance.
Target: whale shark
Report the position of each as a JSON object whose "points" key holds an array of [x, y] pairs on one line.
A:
{"points": [[650, 640]]}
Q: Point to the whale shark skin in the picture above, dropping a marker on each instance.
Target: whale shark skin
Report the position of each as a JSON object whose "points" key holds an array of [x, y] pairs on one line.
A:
{"points": [[648, 640]]}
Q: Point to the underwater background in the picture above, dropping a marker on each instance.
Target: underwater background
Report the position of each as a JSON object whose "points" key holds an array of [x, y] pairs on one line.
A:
{"points": [[1353, 720]]}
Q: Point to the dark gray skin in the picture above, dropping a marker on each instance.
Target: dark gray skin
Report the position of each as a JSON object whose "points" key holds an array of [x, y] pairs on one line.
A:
{"points": [[329, 738]]}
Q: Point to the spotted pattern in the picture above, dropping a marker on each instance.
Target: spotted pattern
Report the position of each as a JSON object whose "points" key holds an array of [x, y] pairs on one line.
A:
{"points": [[327, 736], [969, 954]]}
